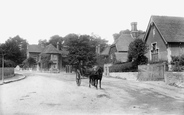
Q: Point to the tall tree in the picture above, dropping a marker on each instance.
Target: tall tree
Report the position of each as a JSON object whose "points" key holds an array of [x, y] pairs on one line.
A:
{"points": [[56, 39], [43, 42], [136, 52], [83, 48], [30, 62], [15, 49]]}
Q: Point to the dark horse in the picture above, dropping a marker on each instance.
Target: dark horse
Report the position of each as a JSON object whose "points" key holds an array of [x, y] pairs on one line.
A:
{"points": [[95, 77]]}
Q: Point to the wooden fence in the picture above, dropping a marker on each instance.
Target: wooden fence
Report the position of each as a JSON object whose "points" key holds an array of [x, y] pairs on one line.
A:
{"points": [[8, 72]]}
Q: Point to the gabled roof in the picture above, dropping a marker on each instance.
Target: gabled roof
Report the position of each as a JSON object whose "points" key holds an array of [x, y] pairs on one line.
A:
{"points": [[35, 48], [123, 42], [50, 49], [105, 51], [170, 28]]}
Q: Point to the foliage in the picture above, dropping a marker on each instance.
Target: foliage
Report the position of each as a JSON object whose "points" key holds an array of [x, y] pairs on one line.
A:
{"points": [[30, 62], [45, 61], [83, 48], [7, 63], [177, 63], [56, 39], [53, 40], [123, 67], [137, 50], [101, 60], [43, 43], [14, 49]]}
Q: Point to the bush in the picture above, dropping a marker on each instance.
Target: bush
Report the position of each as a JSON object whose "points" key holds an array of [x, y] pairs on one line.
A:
{"points": [[177, 63], [7, 63], [125, 67], [136, 51]]}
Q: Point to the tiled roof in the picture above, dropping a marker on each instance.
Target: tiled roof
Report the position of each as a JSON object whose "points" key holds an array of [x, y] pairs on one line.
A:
{"points": [[171, 28], [141, 36], [105, 51], [50, 49], [64, 52], [123, 42], [35, 48]]}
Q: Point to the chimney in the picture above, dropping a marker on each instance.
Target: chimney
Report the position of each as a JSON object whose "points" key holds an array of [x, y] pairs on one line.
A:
{"points": [[134, 30], [58, 45], [98, 49]]}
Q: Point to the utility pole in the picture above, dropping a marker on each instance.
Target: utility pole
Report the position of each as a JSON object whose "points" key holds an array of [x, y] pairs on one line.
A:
{"points": [[3, 68]]}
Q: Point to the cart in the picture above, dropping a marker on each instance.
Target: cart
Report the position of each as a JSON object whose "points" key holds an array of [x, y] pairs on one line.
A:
{"points": [[82, 74]]}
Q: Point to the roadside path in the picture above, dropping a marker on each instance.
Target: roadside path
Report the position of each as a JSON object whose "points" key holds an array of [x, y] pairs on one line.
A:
{"points": [[55, 94], [16, 77]]}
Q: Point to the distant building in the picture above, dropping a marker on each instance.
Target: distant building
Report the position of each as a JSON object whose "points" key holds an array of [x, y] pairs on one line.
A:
{"points": [[56, 56], [165, 38], [118, 51]]}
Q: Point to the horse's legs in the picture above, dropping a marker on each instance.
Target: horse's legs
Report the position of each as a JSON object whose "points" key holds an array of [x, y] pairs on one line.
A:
{"points": [[100, 83], [90, 80], [96, 85]]}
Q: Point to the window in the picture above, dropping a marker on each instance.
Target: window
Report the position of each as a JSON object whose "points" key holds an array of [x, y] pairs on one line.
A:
{"points": [[153, 31], [154, 52], [54, 57]]}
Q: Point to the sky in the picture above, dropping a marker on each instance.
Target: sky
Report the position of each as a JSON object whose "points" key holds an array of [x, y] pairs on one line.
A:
{"points": [[40, 19]]}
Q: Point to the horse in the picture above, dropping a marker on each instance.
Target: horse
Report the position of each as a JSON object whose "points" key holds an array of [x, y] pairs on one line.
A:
{"points": [[95, 77]]}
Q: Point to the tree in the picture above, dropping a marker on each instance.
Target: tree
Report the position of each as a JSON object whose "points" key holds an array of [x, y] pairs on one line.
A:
{"points": [[97, 40], [15, 49], [56, 39], [136, 52], [43, 43], [45, 61], [30, 62]]}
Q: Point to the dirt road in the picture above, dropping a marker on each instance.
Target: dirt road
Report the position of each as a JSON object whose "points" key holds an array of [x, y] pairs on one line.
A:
{"points": [[56, 94]]}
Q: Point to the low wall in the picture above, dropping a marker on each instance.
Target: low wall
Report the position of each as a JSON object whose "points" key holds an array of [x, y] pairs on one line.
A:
{"points": [[153, 72], [8, 72], [125, 75], [175, 78]]}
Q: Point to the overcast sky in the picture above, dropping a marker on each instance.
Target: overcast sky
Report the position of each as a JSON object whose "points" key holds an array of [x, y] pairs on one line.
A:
{"points": [[41, 19]]}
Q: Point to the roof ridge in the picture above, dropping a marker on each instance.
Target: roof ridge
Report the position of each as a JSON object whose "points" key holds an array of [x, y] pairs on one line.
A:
{"points": [[167, 16]]}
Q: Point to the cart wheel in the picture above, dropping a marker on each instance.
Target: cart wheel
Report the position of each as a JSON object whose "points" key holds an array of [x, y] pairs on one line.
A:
{"points": [[78, 79]]}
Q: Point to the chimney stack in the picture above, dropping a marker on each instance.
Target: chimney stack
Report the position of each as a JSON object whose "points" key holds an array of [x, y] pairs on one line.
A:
{"points": [[98, 49], [134, 30], [134, 26], [58, 45]]}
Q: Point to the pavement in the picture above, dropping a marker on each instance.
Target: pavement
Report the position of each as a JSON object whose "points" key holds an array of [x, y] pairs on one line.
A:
{"points": [[17, 77]]}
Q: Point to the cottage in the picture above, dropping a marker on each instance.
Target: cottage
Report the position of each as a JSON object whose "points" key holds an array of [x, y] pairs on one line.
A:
{"points": [[165, 38], [56, 56], [118, 51]]}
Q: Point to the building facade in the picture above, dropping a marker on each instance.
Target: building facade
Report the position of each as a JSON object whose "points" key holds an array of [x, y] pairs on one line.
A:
{"points": [[165, 38], [56, 56]]}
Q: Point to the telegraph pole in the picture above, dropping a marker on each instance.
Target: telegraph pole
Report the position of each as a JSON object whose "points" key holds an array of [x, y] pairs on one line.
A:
{"points": [[3, 68]]}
